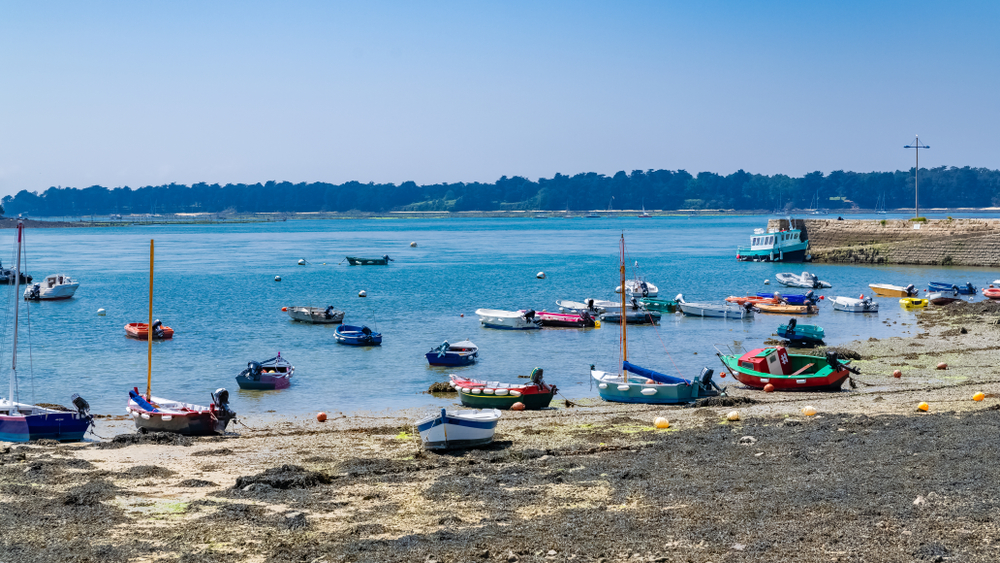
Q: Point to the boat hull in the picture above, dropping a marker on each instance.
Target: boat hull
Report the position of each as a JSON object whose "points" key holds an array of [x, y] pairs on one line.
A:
{"points": [[851, 305], [451, 359], [822, 379], [141, 331], [315, 315], [889, 290], [267, 382], [354, 261], [506, 320], [639, 317], [453, 431], [700, 310], [612, 388], [62, 426], [660, 305], [794, 253], [353, 336], [782, 309], [533, 401], [194, 424]]}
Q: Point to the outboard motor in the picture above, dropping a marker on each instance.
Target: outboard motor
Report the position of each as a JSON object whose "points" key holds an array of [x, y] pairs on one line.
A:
{"points": [[157, 329], [705, 378], [831, 358], [679, 298], [329, 311], [971, 288], [635, 304], [221, 401], [386, 258], [792, 323], [443, 349], [587, 319], [536, 376], [254, 370], [34, 292], [810, 297], [366, 331], [645, 289], [529, 315], [590, 305], [911, 291], [81, 404]]}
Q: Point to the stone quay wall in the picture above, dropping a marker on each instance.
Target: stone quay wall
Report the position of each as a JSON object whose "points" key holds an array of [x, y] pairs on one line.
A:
{"points": [[940, 242]]}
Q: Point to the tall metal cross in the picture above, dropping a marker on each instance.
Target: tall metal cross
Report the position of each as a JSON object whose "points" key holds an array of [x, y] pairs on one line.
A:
{"points": [[916, 172]]}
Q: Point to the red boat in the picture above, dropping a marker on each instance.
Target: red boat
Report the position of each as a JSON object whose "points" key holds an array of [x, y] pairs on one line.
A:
{"points": [[992, 293], [788, 372], [141, 331], [572, 320], [480, 394]]}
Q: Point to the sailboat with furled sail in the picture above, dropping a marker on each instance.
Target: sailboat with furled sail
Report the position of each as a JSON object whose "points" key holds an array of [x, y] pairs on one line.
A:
{"points": [[20, 422], [646, 385], [156, 414]]}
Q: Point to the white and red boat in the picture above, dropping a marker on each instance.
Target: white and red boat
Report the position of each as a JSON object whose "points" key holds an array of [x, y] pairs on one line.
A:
{"points": [[992, 293], [582, 319]]}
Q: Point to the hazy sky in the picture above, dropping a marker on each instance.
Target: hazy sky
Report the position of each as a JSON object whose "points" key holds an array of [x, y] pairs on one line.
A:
{"points": [[138, 93]]}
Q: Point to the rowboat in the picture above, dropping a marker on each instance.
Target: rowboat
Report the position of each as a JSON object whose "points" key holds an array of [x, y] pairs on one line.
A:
{"points": [[56, 286], [316, 315], [383, 261], [852, 305], [785, 309], [804, 280], [141, 331], [787, 372], [458, 354], [888, 290], [792, 299], [659, 305], [942, 287], [480, 394], [357, 336], [939, 298], [508, 320], [568, 320], [269, 375], [801, 334], [991, 293], [639, 288], [458, 429], [632, 317], [913, 302], [716, 310]]}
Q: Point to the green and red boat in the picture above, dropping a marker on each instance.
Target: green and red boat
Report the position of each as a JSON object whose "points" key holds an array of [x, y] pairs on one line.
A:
{"points": [[480, 394], [788, 372]]}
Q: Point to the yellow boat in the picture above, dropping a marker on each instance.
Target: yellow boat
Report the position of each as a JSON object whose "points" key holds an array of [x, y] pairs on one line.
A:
{"points": [[887, 290], [785, 309], [913, 302]]}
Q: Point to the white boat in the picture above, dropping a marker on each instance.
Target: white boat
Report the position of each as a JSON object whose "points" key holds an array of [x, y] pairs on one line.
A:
{"points": [[508, 320], [724, 310], [852, 305], [316, 315], [639, 288], [805, 280], [56, 286], [458, 429], [632, 316], [588, 305]]}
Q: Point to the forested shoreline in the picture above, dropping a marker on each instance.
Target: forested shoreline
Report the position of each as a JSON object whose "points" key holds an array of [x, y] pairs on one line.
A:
{"points": [[652, 189]]}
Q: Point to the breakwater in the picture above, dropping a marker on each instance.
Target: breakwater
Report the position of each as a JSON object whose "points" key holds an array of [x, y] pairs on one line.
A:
{"points": [[939, 242]]}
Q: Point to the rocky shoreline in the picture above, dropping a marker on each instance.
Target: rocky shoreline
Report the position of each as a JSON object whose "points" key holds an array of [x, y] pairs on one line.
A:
{"points": [[869, 478]]}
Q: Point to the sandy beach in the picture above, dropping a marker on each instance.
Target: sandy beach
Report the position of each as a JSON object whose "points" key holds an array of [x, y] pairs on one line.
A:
{"points": [[869, 478]]}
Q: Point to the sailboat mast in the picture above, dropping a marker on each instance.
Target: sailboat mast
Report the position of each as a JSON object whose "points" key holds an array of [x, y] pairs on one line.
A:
{"points": [[624, 324], [17, 309], [149, 330]]}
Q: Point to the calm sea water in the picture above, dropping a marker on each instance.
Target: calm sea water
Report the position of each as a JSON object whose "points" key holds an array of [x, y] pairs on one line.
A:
{"points": [[215, 286]]}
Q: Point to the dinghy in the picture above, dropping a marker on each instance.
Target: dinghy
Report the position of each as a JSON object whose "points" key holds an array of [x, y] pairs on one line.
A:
{"points": [[481, 394], [788, 372], [889, 290], [56, 286], [913, 303], [659, 305], [992, 293], [458, 354], [942, 287], [941, 298], [269, 375], [804, 280], [357, 336], [639, 288], [716, 310], [7, 276], [566, 320], [383, 261], [793, 299], [316, 315], [795, 333], [508, 320], [141, 331], [458, 429], [786, 309], [852, 305], [577, 307]]}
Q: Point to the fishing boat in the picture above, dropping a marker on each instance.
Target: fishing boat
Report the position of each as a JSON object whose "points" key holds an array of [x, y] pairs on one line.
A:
{"points": [[22, 422], [774, 245], [565, 320], [913, 302], [269, 375], [786, 309], [943, 287], [888, 290], [658, 305], [632, 316], [458, 429], [508, 320], [141, 330], [645, 385], [56, 286], [793, 299], [157, 414], [383, 261], [7, 276], [316, 315], [795, 333], [639, 288], [357, 336], [852, 305], [806, 280], [458, 354], [938, 298], [788, 372], [481, 394], [722, 310]]}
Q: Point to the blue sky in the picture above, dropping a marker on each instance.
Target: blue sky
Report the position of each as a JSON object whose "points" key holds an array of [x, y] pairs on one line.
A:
{"points": [[140, 93]]}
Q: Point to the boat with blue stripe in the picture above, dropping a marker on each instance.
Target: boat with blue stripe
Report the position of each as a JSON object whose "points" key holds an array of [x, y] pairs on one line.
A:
{"points": [[357, 336], [458, 429]]}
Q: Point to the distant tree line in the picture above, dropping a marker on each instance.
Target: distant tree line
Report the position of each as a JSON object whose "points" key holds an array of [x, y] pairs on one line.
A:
{"points": [[653, 189]]}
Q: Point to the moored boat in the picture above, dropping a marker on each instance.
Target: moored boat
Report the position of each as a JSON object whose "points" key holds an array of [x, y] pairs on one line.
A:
{"points": [[54, 287], [659, 305], [805, 279], [458, 354], [356, 261], [722, 310], [316, 315], [7, 276], [752, 299], [852, 305], [357, 336], [639, 288], [797, 333], [565, 320], [943, 287], [508, 320], [786, 309], [992, 293], [632, 317], [913, 302], [889, 290], [480, 394], [268, 375], [792, 299], [458, 429], [941, 298], [774, 246], [589, 306], [141, 331], [787, 372]]}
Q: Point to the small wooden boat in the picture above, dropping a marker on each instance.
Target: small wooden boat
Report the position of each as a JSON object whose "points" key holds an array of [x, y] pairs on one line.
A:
{"points": [[940, 298], [269, 375], [792, 299], [155, 414], [852, 305], [888, 290], [992, 293], [659, 305], [357, 336], [565, 320], [509, 320], [651, 387], [481, 394], [717, 310], [316, 315], [141, 331], [943, 287], [806, 280], [913, 303], [383, 261], [788, 372], [458, 354], [795, 333], [56, 286], [785, 309], [458, 429]]}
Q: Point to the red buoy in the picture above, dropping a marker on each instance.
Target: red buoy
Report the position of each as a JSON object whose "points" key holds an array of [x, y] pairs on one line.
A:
{"points": [[321, 417]]}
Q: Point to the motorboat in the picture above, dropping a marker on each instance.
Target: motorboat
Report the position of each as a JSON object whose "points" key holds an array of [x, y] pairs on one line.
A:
{"points": [[913, 302], [943, 287], [786, 309], [141, 331], [992, 293], [941, 298], [651, 387], [458, 354], [639, 288], [774, 245], [458, 429], [7, 276], [156, 414], [268, 375], [592, 306], [795, 333], [56, 286], [791, 298], [753, 299], [356, 261], [889, 290], [566, 320], [852, 305], [357, 336], [805, 279], [509, 320], [316, 315], [788, 372], [480, 394], [632, 317], [720, 310], [659, 305]]}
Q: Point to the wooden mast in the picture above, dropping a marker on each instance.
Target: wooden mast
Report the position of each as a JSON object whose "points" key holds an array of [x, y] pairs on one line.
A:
{"points": [[624, 338], [17, 307], [149, 330]]}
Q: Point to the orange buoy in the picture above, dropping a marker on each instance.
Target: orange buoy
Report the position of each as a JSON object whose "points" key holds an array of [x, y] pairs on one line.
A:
{"points": [[283, 309], [942, 365], [661, 423], [979, 396], [768, 388], [321, 417], [518, 406], [897, 374], [923, 407]]}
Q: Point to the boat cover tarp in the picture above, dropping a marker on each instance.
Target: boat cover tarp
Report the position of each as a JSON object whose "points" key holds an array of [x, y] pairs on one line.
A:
{"points": [[655, 376], [139, 400]]}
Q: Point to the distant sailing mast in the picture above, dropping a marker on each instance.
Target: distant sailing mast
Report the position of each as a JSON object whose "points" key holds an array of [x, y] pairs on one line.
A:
{"points": [[916, 172], [624, 325]]}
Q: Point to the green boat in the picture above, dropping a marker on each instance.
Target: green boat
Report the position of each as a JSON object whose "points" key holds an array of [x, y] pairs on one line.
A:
{"points": [[383, 261], [478, 394], [661, 305], [797, 334]]}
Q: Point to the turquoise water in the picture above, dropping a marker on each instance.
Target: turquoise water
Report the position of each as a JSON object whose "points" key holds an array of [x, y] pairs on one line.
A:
{"points": [[215, 287]]}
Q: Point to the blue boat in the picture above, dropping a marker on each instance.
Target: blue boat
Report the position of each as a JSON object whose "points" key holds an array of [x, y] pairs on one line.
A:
{"points": [[357, 336], [954, 289], [807, 299], [795, 333], [458, 354]]}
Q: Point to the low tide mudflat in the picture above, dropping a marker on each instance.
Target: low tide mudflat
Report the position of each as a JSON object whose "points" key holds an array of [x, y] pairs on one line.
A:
{"points": [[867, 479]]}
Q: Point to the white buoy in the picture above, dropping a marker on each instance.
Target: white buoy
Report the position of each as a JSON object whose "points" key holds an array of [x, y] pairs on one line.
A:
{"points": [[101, 312], [277, 278], [540, 275], [413, 244], [302, 262], [767, 282], [362, 293]]}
